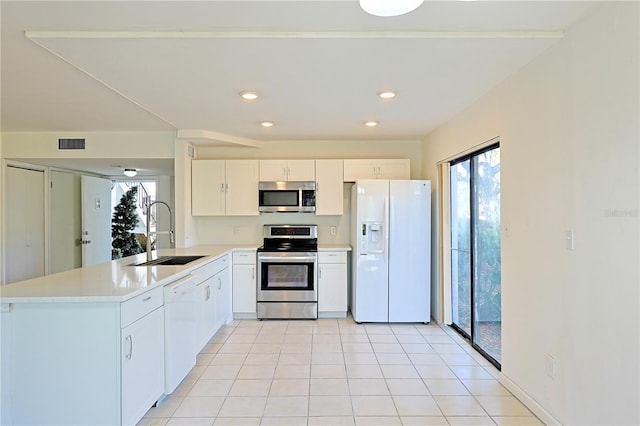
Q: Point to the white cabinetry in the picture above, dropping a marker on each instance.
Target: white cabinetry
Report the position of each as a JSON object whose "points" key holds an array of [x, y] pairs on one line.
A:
{"points": [[223, 297], [142, 365], [180, 331], [87, 362], [287, 170], [329, 190], [376, 169], [224, 187], [244, 284], [209, 309], [332, 284]]}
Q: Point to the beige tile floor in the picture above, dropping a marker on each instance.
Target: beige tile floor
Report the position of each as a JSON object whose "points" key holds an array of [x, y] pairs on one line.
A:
{"points": [[337, 372]]}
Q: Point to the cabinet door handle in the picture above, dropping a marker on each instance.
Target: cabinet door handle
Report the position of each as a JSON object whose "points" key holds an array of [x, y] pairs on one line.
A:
{"points": [[128, 341], [219, 283], [319, 272], [222, 187], [208, 293], [146, 299], [253, 273]]}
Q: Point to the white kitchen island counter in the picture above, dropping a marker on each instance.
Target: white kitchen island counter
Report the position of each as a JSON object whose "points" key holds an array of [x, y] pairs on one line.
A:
{"points": [[87, 346], [113, 281]]}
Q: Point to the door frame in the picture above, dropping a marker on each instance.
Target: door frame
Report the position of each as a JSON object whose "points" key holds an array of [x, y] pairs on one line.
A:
{"points": [[473, 238], [443, 243]]}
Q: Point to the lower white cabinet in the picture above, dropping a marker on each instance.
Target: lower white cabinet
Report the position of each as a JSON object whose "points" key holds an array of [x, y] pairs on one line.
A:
{"points": [[207, 324], [332, 284], [97, 363], [214, 307], [222, 280], [244, 284], [142, 365]]}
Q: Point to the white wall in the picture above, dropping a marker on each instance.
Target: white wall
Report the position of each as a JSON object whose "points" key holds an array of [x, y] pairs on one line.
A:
{"points": [[26, 145], [568, 124]]}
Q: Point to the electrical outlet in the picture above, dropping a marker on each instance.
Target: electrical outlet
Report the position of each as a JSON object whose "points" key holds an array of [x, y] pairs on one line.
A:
{"points": [[236, 230], [550, 366], [332, 230]]}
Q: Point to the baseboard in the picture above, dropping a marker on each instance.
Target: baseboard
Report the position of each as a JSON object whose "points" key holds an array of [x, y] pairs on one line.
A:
{"points": [[238, 315], [531, 403]]}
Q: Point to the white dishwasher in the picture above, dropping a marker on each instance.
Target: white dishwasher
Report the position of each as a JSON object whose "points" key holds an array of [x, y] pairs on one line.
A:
{"points": [[180, 324]]}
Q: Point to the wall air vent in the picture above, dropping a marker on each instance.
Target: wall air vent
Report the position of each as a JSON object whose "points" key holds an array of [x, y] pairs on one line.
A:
{"points": [[73, 143]]}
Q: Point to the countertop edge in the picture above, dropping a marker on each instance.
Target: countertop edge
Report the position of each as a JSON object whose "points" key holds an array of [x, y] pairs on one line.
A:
{"points": [[25, 293]]}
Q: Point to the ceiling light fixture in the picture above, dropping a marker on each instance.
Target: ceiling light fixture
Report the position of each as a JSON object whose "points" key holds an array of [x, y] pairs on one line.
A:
{"points": [[387, 94], [389, 7], [371, 123], [130, 172], [249, 96], [267, 124]]}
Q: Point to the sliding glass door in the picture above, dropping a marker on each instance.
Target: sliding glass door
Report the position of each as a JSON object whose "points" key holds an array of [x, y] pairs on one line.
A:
{"points": [[475, 250]]}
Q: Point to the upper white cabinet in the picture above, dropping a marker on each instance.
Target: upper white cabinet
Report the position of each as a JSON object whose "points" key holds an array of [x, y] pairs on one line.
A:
{"points": [[329, 191], [242, 187], [287, 170], [208, 195], [376, 169], [224, 187]]}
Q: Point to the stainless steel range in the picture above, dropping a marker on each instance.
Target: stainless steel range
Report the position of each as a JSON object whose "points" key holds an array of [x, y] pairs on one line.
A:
{"points": [[287, 272]]}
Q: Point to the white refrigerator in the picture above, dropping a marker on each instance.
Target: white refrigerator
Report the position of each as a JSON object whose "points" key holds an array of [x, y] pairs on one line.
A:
{"points": [[391, 249]]}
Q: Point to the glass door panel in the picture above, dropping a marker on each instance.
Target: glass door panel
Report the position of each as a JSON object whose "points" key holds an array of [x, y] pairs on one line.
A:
{"points": [[461, 246], [475, 250], [486, 252]]}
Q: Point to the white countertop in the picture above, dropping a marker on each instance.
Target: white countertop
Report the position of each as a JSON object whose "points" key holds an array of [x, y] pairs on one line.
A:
{"points": [[113, 281], [334, 247], [116, 281]]}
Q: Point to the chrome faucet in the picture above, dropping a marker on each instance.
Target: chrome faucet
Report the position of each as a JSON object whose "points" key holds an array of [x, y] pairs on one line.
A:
{"points": [[171, 239]]}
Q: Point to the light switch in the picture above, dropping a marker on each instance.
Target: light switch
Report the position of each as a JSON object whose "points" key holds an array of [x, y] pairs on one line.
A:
{"points": [[569, 239]]}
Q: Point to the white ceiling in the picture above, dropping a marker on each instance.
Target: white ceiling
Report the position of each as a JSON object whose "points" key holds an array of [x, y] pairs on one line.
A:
{"points": [[167, 65]]}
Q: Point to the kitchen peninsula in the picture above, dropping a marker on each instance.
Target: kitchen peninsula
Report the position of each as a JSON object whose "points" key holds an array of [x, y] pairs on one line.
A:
{"points": [[87, 346]]}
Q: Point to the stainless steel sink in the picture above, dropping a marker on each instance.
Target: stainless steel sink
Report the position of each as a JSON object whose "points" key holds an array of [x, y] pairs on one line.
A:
{"points": [[169, 261]]}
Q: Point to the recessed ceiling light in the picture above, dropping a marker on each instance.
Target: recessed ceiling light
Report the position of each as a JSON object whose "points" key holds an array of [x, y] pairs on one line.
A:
{"points": [[249, 96], [387, 94], [371, 123], [267, 124]]}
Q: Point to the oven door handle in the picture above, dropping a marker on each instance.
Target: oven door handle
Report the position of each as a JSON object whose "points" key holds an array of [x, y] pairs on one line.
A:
{"points": [[286, 258]]}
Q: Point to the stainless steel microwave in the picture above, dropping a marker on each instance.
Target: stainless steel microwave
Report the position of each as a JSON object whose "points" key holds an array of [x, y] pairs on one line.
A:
{"points": [[289, 197]]}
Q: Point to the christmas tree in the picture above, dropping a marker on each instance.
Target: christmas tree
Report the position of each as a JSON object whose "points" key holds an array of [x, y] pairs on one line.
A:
{"points": [[125, 220]]}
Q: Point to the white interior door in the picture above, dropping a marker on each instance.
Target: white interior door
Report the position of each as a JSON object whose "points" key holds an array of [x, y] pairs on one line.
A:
{"points": [[24, 246], [96, 220]]}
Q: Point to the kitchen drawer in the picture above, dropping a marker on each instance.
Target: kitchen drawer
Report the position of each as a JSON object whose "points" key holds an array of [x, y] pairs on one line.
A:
{"points": [[244, 257], [210, 269], [332, 257], [139, 306], [220, 264]]}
